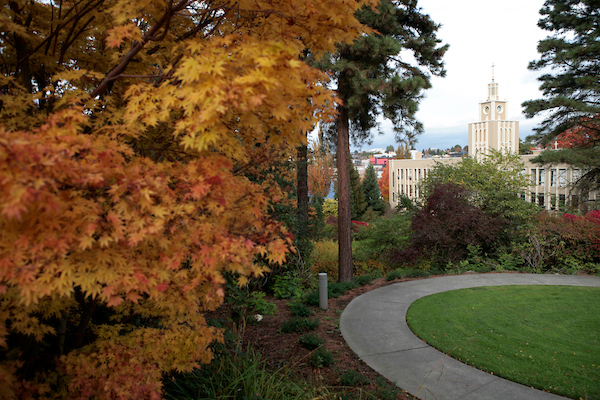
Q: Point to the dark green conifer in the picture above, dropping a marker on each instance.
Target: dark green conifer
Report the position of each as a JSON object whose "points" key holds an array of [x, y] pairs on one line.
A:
{"points": [[370, 188], [571, 88]]}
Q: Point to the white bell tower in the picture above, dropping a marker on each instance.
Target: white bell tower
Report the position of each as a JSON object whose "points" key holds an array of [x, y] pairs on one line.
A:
{"points": [[494, 130]]}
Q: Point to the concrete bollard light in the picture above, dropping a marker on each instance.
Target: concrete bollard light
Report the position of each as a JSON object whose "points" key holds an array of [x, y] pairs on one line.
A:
{"points": [[323, 291]]}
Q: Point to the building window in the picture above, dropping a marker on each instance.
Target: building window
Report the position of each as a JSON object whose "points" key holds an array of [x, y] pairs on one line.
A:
{"points": [[562, 177], [541, 177], [533, 178], [552, 177], [562, 201], [540, 200]]}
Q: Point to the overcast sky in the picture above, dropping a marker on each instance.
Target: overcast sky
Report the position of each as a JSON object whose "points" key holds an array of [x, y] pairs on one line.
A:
{"points": [[479, 33]]}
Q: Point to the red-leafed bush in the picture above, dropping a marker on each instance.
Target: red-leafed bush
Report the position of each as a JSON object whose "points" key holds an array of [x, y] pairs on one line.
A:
{"points": [[447, 225], [564, 243]]}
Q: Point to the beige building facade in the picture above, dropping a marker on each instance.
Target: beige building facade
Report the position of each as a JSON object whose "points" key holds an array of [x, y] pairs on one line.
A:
{"points": [[550, 185]]}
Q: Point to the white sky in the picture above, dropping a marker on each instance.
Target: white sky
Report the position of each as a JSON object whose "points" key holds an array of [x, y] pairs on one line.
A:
{"points": [[479, 33]]}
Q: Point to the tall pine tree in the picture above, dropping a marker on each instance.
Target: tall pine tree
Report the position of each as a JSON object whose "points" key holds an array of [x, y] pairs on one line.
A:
{"points": [[375, 77], [571, 93]]}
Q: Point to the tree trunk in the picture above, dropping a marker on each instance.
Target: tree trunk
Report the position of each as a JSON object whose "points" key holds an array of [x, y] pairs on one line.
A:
{"points": [[302, 192], [343, 172]]}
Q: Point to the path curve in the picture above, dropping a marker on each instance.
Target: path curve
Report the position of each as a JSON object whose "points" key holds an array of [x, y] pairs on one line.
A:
{"points": [[374, 326]]}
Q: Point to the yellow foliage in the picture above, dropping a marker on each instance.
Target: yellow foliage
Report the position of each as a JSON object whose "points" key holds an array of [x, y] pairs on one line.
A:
{"points": [[127, 132]]}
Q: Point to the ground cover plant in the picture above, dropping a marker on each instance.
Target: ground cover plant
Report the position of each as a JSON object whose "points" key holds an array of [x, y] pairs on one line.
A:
{"points": [[547, 337], [237, 375], [318, 360]]}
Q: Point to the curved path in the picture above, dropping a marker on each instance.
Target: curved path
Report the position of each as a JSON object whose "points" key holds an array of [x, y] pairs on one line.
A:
{"points": [[374, 326]]}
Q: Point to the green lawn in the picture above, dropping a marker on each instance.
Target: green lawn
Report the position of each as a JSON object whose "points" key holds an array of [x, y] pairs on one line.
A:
{"points": [[542, 336]]}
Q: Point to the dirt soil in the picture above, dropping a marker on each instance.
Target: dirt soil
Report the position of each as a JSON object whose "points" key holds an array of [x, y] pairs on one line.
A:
{"points": [[285, 349]]}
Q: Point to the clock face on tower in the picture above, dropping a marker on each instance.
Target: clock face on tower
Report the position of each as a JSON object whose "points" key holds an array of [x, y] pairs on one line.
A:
{"points": [[486, 109], [499, 109]]}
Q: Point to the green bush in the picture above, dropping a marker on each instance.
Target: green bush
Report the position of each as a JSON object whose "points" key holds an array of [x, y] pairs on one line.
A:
{"points": [[383, 235], [311, 341], [299, 325], [337, 289], [260, 305], [366, 279], [286, 286], [416, 273], [352, 378], [236, 375], [395, 274], [300, 309], [322, 358], [312, 299]]}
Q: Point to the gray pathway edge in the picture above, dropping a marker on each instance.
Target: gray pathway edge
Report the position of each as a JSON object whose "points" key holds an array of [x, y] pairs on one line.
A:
{"points": [[374, 326]]}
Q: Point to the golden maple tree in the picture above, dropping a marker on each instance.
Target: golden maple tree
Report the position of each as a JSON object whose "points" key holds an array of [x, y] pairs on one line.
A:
{"points": [[384, 183], [124, 128]]}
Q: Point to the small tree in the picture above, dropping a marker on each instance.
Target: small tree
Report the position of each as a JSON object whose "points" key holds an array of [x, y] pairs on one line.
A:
{"points": [[384, 183], [371, 190], [320, 169], [403, 152], [358, 203]]}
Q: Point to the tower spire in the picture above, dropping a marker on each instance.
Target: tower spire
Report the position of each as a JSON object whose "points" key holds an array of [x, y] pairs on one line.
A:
{"points": [[493, 71]]}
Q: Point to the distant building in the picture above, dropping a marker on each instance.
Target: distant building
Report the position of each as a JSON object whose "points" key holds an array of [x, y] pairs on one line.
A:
{"points": [[550, 188]]}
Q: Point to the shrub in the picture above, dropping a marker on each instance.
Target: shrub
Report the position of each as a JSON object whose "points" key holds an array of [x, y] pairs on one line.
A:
{"points": [[395, 274], [258, 304], [287, 286], [321, 358], [311, 341], [352, 378], [385, 234], [236, 375], [449, 223], [339, 288], [325, 258], [416, 273], [300, 309], [566, 243], [312, 299], [330, 207], [366, 279], [299, 325]]}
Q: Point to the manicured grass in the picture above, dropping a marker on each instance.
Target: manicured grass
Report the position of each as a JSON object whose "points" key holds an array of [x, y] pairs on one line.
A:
{"points": [[547, 337]]}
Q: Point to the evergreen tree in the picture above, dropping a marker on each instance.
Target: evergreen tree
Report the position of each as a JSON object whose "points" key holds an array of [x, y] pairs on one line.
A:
{"points": [[358, 202], [375, 76], [571, 92], [370, 188]]}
